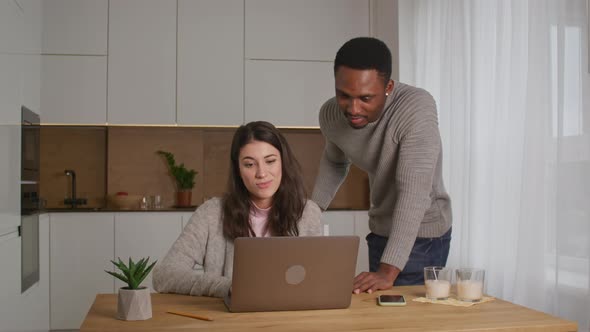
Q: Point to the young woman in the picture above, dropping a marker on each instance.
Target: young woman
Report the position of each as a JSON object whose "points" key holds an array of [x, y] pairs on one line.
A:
{"points": [[265, 197]]}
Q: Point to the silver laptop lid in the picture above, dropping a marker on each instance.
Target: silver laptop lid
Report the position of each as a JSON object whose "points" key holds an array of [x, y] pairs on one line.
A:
{"points": [[293, 273]]}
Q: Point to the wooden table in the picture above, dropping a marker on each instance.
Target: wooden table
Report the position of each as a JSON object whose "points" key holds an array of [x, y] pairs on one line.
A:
{"points": [[363, 315]]}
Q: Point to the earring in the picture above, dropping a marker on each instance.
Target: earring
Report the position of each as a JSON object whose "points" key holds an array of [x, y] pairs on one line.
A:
{"points": [[387, 94]]}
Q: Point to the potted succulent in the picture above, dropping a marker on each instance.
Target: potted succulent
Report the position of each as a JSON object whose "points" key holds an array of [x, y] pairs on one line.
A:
{"points": [[134, 302], [185, 179]]}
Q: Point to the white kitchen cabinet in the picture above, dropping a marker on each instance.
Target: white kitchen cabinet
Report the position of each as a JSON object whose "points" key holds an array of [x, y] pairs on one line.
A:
{"points": [[10, 143], [31, 82], [337, 223], [31, 26], [295, 101], [142, 62], [28, 63], [10, 286], [186, 217], [35, 300], [81, 249], [11, 27], [303, 30], [28, 311], [73, 89], [11, 83], [77, 27], [20, 84], [210, 70], [143, 234], [361, 229]]}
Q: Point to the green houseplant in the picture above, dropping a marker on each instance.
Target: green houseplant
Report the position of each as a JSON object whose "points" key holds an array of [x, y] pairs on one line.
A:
{"points": [[185, 178], [134, 302]]}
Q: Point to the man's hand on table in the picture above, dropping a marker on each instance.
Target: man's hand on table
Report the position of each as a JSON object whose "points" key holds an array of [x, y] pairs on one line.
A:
{"points": [[374, 281]]}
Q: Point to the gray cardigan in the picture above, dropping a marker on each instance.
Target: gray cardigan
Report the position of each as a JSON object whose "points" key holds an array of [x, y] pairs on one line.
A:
{"points": [[200, 262]]}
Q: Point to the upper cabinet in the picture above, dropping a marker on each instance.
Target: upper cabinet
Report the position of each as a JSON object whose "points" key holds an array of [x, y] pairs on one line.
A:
{"points": [[287, 93], [289, 51], [19, 84], [11, 25], [73, 89], [210, 69], [142, 62], [77, 27], [186, 62], [20, 26], [31, 25], [11, 82], [303, 30], [31, 81]]}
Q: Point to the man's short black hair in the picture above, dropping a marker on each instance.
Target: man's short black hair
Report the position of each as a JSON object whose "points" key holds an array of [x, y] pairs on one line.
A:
{"points": [[365, 53]]}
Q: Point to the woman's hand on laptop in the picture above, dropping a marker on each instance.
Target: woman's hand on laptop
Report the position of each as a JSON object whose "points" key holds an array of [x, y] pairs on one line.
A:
{"points": [[374, 281]]}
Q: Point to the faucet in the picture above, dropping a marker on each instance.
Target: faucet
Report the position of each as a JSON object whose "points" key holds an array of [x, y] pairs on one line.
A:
{"points": [[73, 201]]}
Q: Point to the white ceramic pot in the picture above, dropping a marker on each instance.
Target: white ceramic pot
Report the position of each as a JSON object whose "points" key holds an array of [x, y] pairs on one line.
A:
{"points": [[134, 304]]}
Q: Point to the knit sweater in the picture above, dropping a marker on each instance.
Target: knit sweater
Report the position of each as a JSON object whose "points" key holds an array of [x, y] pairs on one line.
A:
{"points": [[200, 262], [401, 153]]}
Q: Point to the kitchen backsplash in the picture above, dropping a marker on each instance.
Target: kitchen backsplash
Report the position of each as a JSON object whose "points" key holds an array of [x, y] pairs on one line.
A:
{"points": [[112, 159], [82, 149]]}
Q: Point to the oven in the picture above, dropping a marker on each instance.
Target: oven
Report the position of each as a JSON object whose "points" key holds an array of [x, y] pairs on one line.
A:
{"points": [[29, 228]]}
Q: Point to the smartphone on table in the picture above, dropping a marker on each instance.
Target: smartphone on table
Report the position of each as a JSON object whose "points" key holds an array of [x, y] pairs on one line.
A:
{"points": [[391, 300]]}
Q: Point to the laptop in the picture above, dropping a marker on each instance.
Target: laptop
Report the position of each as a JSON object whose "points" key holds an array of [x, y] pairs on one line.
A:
{"points": [[292, 273]]}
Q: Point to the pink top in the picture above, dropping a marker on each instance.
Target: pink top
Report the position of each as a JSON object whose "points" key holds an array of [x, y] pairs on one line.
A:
{"points": [[258, 221]]}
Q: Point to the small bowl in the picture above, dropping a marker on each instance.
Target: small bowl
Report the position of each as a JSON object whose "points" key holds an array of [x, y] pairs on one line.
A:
{"points": [[125, 202]]}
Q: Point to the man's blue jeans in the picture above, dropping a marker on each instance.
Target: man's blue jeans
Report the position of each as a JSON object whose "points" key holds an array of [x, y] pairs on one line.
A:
{"points": [[426, 252]]}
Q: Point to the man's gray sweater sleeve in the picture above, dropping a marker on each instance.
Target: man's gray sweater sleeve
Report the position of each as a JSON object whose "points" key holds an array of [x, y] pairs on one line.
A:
{"points": [[310, 224], [334, 167]]}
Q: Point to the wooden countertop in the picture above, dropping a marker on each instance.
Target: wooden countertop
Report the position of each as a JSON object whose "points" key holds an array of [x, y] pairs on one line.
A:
{"points": [[363, 315]]}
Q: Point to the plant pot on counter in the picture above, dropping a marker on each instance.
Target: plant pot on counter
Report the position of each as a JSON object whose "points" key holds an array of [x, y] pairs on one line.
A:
{"points": [[134, 304], [183, 198]]}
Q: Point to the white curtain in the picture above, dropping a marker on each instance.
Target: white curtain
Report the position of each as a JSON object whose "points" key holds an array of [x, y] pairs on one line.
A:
{"points": [[512, 87]]}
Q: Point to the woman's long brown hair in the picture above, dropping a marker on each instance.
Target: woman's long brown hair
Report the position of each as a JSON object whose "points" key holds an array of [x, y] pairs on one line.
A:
{"points": [[289, 200]]}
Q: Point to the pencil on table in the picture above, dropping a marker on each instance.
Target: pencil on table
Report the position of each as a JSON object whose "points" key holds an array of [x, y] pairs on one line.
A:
{"points": [[186, 314]]}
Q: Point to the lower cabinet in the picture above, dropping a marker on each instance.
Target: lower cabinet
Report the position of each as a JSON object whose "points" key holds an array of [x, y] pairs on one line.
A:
{"points": [[361, 228], [81, 249], [186, 217], [82, 246], [349, 223], [143, 234], [28, 311]]}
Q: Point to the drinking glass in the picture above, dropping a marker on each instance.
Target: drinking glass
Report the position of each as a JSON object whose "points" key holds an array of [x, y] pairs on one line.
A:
{"points": [[437, 280], [144, 203], [156, 201], [470, 284]]}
